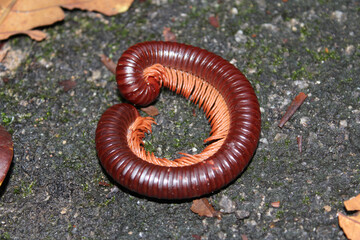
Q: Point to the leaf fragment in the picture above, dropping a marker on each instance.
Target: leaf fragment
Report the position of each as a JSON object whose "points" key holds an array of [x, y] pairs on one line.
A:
{"points": [[353, 204], [244, 237], [150, 110], [214, 21], [350, 225], [67, 85], [21, 16], [111, 7], [6, 153], [203, 208], [275, 204], [169, 35], [26, 15]]}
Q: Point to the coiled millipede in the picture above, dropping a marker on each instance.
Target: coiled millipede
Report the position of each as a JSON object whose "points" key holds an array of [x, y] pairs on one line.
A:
{"points": [[219, 88]]}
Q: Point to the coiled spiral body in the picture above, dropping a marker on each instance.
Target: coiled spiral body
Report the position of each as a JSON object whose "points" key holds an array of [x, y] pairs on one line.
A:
{"points": [[223, 92]]}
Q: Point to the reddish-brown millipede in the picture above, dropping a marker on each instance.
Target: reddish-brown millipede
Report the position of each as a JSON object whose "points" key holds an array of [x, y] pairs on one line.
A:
{"points": [[223, 92]]}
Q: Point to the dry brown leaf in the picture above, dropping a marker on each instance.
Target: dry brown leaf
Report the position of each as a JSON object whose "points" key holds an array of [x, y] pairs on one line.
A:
{"points": [[203, 208], [353, 204], [6, 153], [67, 85], [350, 225], [26, 15], [150, 110], [111, 7], [214, 21], [244, 237], [20, 16]]}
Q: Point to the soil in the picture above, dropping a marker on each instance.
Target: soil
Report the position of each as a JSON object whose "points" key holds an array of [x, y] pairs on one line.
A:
{"points": [[51, 103]]}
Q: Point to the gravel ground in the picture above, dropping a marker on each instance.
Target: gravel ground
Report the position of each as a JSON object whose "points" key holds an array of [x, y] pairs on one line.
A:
{"points": [[283, 47]]}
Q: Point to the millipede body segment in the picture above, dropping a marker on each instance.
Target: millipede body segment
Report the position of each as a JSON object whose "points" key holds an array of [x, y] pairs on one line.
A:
{"points": [[220, 89]]}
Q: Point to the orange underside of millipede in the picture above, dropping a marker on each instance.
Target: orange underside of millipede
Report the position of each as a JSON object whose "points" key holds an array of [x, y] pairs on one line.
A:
{"points": [[199, 92]]}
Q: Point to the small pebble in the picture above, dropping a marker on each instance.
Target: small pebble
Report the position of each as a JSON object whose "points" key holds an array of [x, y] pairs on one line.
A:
{"points": [[349, 50], [280, 136], [327, 208], [301, 84], [240, 37], [242, 214], [227, 205], [221, 235], [343, 123], [63, 211], [264, 141], [234, 11], [261, 4], [270, 27], [339, 16], [305, 121]]}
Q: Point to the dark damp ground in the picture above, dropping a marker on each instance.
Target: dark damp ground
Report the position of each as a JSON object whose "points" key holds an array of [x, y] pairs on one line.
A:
{"points": [[283, 47]]}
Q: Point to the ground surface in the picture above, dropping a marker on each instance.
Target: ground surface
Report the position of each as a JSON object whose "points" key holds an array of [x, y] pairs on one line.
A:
{"points": [[283, 47]]}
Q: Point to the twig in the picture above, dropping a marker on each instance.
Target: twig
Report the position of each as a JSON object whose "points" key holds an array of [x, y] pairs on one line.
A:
{"points": [[109, 64], [295, 104], [299, 142]]}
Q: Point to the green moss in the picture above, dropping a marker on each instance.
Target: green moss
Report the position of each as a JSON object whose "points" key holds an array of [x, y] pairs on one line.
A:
{"points": [[47, 50], [85, 187], [72, 163], [172, 113], [5, 236], [149, 147], [301, 73], [323, 56], [346, 80], [278, 184], [23, 116], [279, 214], [177, 143], [304, 31], [241, 198], [107, 202], [306, 200], [24, 189], [266, 125], [6, 120]]}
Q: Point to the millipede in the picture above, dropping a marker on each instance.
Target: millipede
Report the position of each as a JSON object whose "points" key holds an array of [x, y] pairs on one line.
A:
{"points": [[215, 85]]}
